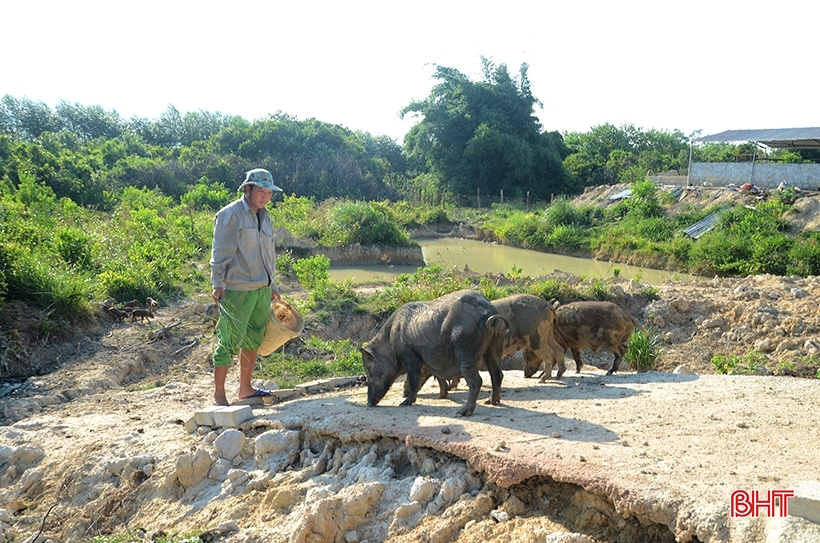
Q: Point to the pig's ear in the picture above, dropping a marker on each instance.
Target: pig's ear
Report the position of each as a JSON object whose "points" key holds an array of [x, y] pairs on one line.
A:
{"points": [[366, 350]]}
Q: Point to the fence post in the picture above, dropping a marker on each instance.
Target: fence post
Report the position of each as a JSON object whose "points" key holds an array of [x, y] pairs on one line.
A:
{"points": [[502, 196], [528, 201], [478, 197]]}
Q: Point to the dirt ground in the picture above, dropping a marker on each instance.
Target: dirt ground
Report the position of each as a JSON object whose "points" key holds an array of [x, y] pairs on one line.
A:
{"points": [[101, 441]]}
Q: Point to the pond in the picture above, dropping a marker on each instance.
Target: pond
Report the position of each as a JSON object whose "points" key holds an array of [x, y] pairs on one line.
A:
{"points": [[490, 258]]}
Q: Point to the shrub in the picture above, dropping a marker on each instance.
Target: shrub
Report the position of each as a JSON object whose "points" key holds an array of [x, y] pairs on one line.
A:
{"points": [[313, 273], [368, 223], [75, 247], [644, 348], [750, 364]]}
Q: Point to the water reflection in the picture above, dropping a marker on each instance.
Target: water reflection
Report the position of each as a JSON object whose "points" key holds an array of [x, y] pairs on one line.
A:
{"points": [[488, 258]]}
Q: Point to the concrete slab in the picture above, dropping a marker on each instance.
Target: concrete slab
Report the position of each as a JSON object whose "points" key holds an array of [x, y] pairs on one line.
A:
{"points": [[806, 501], [325, 385]]}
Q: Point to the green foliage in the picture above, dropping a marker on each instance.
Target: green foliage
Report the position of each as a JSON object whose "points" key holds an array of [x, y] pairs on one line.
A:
{"points": [[607, 155], [367, 223], [206, 197], [327, 359], [562, 212], [597, 289], [75, 247], [425, 283], [746, 241], [649, 292], [644, 348], [35, 278], [750, 364], [554, 289], [313, 273], [804, 255], [566, 238]]}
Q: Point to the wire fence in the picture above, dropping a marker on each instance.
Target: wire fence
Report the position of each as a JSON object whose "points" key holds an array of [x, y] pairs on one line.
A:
{"points": [[480, 200]]}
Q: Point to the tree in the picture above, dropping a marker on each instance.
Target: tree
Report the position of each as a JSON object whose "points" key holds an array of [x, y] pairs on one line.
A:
{"points": [[90, 122], [608, 154], [484, 135]]}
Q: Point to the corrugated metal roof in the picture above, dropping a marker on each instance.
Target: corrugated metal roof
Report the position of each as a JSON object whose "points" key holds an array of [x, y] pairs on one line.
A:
{"points": [[783, 138], [704, 225]]}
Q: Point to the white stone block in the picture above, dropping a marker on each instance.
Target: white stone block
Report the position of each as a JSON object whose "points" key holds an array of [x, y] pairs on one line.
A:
{"points": [[232, 416], [205, 416]]}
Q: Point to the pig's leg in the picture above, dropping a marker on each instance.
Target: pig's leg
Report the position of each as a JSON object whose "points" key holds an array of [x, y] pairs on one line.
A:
{"points": [[619, 354], [413, 364], [493, 362], [424, 376], [473, 379], [576, 355]]}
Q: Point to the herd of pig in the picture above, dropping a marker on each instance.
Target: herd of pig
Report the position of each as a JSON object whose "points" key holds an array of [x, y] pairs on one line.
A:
{"points": [[460, 334]]}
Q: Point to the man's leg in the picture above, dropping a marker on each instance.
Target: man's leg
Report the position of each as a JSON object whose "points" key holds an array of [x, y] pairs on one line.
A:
{"points": [[220, 373], [247, 361]]}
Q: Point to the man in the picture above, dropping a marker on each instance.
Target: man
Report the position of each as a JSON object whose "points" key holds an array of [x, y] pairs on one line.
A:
{"points": [[243, 260]]}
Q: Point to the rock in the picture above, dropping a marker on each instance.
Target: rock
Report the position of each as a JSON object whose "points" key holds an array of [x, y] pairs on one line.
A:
{"points": [[407, 509], [766, 345], [277, 449], [799, 293], [229, 444], [500, 516], [683, 370], [276, 441], [423, 490], [192, 468], [219, 470], [788, 344]]}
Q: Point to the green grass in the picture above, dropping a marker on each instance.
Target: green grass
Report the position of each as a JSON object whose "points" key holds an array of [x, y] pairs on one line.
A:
{"points": [[320, 359], [749, 364]]}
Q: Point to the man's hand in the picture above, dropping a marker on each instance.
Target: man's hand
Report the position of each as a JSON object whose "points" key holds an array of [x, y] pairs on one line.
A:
{"points": [[274, 295], [218, 294]]}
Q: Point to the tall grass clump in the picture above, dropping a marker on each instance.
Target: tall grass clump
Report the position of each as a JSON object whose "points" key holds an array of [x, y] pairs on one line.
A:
{"points": [[643, 350], [804, 255]]}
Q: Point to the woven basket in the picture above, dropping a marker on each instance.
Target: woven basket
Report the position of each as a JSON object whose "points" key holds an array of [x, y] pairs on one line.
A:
{"points": [[285, 323]]}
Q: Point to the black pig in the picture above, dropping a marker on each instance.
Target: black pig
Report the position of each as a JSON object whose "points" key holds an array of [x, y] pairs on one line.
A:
{"points": [[451, 335]]}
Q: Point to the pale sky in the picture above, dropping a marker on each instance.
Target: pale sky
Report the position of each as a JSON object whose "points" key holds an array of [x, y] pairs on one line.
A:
{"points": [[698, 65]]}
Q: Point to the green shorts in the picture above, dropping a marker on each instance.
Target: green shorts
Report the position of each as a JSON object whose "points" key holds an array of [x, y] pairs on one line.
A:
{"points": [[243, 318]]}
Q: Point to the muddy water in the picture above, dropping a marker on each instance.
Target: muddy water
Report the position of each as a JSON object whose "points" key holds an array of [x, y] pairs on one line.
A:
{"points": [[488, 258]]}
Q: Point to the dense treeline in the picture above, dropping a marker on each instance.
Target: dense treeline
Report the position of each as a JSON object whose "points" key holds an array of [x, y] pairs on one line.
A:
{"points": [[90, 155]]}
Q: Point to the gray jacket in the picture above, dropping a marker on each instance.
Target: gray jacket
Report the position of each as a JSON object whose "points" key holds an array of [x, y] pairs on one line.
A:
{"points": [[243, 256]]}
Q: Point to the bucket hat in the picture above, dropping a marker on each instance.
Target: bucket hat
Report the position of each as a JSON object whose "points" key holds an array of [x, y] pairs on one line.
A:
{"points": [[261, 178]]}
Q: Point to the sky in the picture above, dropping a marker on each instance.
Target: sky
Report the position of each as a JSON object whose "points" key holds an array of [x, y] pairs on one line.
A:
{"points": [[700, 67]]}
